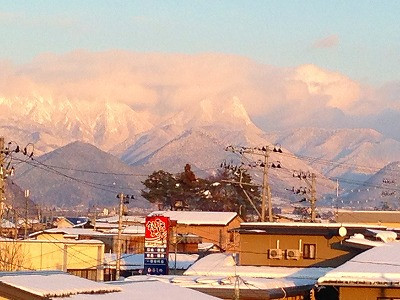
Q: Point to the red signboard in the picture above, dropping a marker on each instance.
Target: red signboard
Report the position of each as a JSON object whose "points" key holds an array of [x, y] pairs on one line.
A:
{"points": [[156, 245]]}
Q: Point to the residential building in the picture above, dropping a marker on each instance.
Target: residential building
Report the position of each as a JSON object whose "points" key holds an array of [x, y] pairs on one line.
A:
{"points": [[212, 227], [298, 244], [83, 258], [389, 219], [132, 237], [371, 275], [69, 222]]}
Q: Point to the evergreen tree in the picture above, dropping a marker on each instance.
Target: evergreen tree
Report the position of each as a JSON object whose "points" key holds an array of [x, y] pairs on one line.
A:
{"points": [[161, 188]]}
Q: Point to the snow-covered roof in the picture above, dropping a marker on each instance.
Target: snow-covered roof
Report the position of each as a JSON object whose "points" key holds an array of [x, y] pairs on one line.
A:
{"points": [[358, 240], [114, 219], [228, 283], [54, 283], [146, 289], [132, 229], [135, 261], [7, 224], [105, 225], [198, 217], [69, 231], [72, 231], [62, 241], [222, 264], [377, 266], [384, 235], [309, 225]]}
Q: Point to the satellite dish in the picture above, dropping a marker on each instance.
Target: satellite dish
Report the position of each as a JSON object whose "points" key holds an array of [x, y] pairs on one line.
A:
{"points": [[342, 231]]}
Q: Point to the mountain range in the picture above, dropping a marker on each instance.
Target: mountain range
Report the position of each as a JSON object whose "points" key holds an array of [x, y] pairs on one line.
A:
{"points": [[110, 138]]}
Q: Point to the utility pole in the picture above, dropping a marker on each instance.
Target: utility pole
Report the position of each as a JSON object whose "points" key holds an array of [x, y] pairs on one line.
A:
{"points": [[26, 214], [120, 211], [247, 195], [123, 199], [313, 197], [2, 177], [266, 191], [312, 188], [15, 222], [94, 216], [1, 183]]}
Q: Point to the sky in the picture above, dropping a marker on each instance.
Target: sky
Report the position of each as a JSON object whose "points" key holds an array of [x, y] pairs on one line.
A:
{"points": [[360, 39], [291, 63]]}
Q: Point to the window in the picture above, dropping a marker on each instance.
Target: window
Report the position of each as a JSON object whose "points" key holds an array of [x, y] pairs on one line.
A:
{"points": [[309, 251]]}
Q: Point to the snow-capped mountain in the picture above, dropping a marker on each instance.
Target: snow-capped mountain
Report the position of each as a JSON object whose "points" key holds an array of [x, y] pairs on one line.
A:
{"points": [[354, 153], [78, 174], [197, 135], [50, 124], [200, 136], [226, 116], [379, 190]]}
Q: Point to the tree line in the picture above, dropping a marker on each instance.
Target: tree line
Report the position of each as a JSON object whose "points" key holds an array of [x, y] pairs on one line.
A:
{"points": [[218, 192]]}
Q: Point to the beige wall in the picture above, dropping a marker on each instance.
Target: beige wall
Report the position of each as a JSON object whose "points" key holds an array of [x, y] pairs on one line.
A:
{"points": [[254, 250], [367, 293], [52, 255]]}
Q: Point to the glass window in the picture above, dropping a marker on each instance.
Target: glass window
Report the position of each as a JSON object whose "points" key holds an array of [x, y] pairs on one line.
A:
{"points": [[309, 251]]}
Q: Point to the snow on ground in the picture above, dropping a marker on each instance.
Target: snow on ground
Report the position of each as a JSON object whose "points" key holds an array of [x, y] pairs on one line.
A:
{"points": [[379, 265], [221, 264]]}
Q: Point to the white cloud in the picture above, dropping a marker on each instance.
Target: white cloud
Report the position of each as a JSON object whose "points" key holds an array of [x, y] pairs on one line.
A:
{"points": [[159, 84]]}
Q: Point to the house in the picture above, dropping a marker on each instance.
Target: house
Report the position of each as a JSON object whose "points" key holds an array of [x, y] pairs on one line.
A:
{"points": [[299, 244], [8, 229], [83, 258], [213, 227], [132, 237], [375, 217], [373, 274], [69, 222]]}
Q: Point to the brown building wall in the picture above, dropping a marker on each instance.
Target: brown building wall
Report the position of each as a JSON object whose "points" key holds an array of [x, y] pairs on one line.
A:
{"points": [[369, 293], [254, 250], [217, 234]]}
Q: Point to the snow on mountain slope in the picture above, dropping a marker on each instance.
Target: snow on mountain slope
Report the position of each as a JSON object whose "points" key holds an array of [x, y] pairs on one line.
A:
{"points": [[380, 188], [204, 149], [225, 115], [78, 174], [341, 151], [51, 124]]}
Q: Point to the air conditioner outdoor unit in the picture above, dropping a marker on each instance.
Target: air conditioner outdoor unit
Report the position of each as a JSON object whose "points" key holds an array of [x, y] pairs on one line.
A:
{"points": [[275, 253], [293, 254]]}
